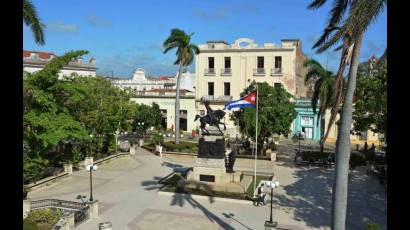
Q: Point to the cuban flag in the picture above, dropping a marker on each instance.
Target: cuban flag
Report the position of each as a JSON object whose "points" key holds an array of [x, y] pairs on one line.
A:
{"points": [[249, 101]]}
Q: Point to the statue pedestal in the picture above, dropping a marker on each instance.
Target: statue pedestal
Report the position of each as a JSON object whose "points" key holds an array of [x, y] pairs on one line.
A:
{"points": [[210, 166]]}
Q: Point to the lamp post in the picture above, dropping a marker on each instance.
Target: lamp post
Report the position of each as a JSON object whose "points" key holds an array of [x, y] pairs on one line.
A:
{"points": [[91, 168], [117, 132], [270, 224]]}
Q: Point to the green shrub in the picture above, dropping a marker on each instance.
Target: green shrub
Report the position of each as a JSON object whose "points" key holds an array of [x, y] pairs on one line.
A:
{"points": [[77, 155], [171, 146], [44, 216], [29, 225], [157, 138], [372, 226], [195, 149]]}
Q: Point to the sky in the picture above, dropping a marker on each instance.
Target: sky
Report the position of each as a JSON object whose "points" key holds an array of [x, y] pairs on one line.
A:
{"points": [[127, 34]]}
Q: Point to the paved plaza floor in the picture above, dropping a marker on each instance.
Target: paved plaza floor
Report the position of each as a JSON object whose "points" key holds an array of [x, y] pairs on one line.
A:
{"points": [[127, 192]]}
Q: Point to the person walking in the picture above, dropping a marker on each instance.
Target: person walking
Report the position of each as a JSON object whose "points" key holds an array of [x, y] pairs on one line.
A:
{"points": [[160, 150], [260, 199]]}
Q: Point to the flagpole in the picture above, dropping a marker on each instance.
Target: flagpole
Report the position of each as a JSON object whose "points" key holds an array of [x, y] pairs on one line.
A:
{"points": [[256, 136]]}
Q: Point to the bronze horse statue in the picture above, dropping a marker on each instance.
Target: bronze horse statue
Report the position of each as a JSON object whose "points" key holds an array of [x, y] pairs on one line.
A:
{"points": [[212, 118]]}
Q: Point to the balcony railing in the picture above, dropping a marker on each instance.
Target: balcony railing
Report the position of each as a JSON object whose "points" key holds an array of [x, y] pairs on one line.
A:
{"points": [[259, 71], [226, 71], [276, 71], [210, 72], [208, 97]]}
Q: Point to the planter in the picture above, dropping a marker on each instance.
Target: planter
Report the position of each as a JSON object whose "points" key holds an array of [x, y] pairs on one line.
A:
{"points": [[125, 146], [272, 154], [68, 167], [88, 161]]}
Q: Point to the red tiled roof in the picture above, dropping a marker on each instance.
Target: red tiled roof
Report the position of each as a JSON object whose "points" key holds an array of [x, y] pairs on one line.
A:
{"points": [[163, 78], [42, 55], [26, 54]]}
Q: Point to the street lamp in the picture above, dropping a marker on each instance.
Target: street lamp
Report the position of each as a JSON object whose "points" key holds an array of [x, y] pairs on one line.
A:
{"points": [[91, 168], [270, 224]]}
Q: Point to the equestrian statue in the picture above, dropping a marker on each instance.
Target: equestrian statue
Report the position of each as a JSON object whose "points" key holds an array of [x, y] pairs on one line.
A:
{"points": [[212, 118]]}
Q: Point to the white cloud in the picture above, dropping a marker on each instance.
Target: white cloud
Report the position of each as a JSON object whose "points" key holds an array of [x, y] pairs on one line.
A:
{"points": [[97, 21], [60, 26]]}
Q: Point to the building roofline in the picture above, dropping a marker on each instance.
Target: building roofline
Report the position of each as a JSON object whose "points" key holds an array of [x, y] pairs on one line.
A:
{"points": [[262, 49], [217, 41]]}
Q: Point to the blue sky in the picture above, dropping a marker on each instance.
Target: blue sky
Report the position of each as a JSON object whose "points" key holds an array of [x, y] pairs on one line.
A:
{"points": [[125, 35]]}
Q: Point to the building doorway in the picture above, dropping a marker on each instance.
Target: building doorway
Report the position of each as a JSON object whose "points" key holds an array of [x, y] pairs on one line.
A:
{"points": [[164, 118], [183, 124]]}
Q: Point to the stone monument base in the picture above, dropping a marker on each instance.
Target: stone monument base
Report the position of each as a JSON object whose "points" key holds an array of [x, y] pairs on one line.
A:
{"points": [[212, 172]]}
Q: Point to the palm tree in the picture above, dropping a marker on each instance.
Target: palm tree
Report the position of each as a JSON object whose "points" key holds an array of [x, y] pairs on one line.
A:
{"points": [[361, 13], [185, 56], [323, 93], [31, 19]]}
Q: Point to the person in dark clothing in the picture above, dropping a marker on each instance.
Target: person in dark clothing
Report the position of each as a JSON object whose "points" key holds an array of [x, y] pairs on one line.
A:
{"points": [[261, 196]]}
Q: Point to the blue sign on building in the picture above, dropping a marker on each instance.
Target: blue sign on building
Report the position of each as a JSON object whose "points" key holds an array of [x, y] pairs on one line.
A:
{"points": [[307, 119]]}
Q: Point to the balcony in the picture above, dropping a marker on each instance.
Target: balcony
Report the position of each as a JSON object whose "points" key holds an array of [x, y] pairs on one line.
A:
{"points": [[276, 71], [210, 72], [208, 98], [226, 72], [216, 99], [259, 72]]}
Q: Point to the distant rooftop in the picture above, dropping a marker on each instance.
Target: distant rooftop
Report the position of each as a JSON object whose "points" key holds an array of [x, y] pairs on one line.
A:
{"points": [[40, 58], [217, 41]]}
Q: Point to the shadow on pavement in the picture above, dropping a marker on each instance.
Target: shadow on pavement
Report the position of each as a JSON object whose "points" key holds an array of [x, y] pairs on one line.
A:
{"points": [[310, 199], [181, 199]]}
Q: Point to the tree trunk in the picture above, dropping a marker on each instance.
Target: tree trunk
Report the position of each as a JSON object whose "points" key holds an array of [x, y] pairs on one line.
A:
{"points": [[322, 132], [340, 186], [177, 107]]}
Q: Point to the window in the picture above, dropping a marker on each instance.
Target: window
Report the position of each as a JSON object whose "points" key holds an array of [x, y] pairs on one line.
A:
{"points": [[261, 63], [210, 88], [211, 62], [227, 62], [278, 62], [227, 89], [277, 85]]}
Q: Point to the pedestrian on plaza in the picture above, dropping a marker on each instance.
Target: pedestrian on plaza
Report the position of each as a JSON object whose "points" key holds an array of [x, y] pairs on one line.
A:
{"points": [[160, 150], [261, 196], [365, 146]]}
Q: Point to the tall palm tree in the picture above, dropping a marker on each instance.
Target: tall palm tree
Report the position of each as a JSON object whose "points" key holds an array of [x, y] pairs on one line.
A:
{"points": [[31, 19], [185, 56], [361, 13], [323, 92]]}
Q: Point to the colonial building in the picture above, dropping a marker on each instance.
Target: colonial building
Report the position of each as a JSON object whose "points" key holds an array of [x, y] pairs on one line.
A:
{"points": [[165, 98], [223, 71], [140, 82], [34, 61]]}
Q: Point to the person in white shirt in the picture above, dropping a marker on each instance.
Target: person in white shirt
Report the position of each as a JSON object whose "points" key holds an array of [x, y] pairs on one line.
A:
{"points": [[160, 150]]}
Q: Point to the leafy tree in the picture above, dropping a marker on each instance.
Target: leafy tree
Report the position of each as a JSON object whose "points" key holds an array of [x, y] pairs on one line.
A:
{"points": [[349, 31], [31, 19], [275, 116], [371, 103], [185, 56], [323, 93]]}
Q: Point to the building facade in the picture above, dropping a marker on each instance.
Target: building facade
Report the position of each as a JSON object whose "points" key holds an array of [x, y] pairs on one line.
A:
{"points": [[140, 82], [165, 98], [306, 119], [223, 71], [34, 61]]}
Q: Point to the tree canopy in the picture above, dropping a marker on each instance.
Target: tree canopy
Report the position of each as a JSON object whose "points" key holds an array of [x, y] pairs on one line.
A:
{"points": [[371, 102], [74, 110], [275, 116]]}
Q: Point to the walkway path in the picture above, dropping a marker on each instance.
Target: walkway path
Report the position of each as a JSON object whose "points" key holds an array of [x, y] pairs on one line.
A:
{"points": [[127, 192]]}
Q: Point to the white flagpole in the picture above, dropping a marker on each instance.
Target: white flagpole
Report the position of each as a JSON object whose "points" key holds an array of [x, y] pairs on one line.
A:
{"points": [[256, 136]]}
